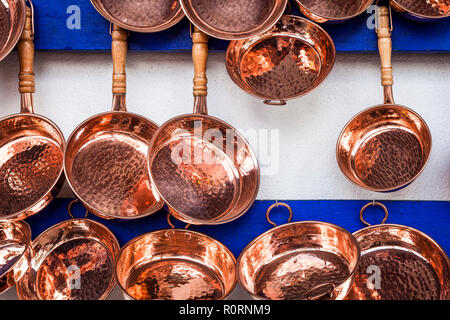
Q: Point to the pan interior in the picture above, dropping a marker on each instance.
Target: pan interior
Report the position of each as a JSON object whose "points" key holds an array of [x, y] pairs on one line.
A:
{"points": [[10, 253], [5, 23], [280, 67], [433, 8], [195, 177], [142, 13], [335, 8], [78, 269]]}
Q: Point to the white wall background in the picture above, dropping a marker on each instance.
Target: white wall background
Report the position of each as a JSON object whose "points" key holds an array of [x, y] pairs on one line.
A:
{"points": [[74, 86]]}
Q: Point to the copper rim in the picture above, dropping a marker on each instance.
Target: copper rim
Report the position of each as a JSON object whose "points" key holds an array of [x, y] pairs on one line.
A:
{"points": [[409, 12], [309, 9], [136, 14], [202, 17], [11, 31]]}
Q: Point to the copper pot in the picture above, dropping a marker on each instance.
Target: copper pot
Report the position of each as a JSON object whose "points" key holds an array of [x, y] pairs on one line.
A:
{"points": [[15, 242], [399, 263], [73, 260], [299, 260], [32, 146], [237, 19], [333, 10], [202, 167], [386, 147], [106, 156], [175, 264], [422, 10], [141, 16], [285, 63], [12, 22]]}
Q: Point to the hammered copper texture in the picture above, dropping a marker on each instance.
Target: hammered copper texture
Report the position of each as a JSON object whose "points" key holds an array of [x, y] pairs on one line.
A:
{"points": [[142, 13], [10, 253], [5, 24], [426, 7], [333, 8]]}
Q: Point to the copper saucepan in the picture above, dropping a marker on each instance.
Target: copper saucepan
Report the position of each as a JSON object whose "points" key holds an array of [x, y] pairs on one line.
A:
{"points": [[106, 156], [15, 242], [333, 11], [175, 264], [235, 19], [203, 168], [399, 263], [31, 146], [386, 147], [73, 260], [141, 16], [422, 10], [299, 260], [285, 63], [12, 22]]}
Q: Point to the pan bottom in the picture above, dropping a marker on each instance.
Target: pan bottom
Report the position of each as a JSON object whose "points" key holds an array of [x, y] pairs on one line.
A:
{"points": [[334, 8], [29, 167], [10, 253], [293, 275], [428, 8], [403, 275], [174, 279], [5, 24]]}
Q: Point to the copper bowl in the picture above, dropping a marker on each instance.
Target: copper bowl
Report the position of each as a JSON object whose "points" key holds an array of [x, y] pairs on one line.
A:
{"points": [[285, 63], [333, 10], [422, 10], [298, 261], [12, 22]]}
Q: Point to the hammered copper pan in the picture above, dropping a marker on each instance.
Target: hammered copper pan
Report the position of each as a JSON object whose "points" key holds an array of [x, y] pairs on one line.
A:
{"points": [[233, 19], [422, 10], [31, 146], [140, 16], [203, 168], [298, 261], [106, 156], [333, 10], [12, 22], [386, 147], [285, 63], [73, 260], [399, 263]]}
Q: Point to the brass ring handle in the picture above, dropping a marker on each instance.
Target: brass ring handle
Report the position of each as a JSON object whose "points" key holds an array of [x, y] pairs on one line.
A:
{"points": [[276, 205], [275, 103], [172, 225], [373, 204], [310, 297], [69, 209]]}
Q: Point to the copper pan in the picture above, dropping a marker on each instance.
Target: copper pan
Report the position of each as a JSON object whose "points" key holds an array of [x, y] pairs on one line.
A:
{"points": [[386, 147], [306, 260], [399, 263], [15, 242], [73, 260], [12, 22], [140, 16], [333, 11], [422, 10], [203, 168], [31, 147], [175, 264], [106, 156], [285, 63], [235, 19]]}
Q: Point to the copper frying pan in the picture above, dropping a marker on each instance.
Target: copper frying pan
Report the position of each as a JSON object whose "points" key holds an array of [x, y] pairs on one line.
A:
{"points": [[106, 156], [399, 263], [12, 22], [236, 19], [333, 10], [31, 147], [422, 10], [386, 147], [203, 168]]}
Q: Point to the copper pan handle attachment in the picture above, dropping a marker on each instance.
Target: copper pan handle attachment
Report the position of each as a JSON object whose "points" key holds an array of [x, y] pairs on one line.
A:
{"points": [[200, 58], [25, 48], [172, 225], [276, 205], [279, 103], [373, 204], [69, 209], [384, 30], [119, 48]]}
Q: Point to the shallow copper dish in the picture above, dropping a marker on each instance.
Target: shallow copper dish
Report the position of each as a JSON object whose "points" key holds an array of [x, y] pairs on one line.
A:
{"points": [[202, 167], [12, 22], [175, 264], [106, 156], [31, 146], [298, 261], [422, 10], [237, 19], [141, 16], [15, 241], [333, 10], [285, 63], [73, 260], [386, 147], [399, 263]]}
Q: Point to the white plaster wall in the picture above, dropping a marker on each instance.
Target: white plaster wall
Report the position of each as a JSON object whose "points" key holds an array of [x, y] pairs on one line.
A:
{"points": [[74, 86]]}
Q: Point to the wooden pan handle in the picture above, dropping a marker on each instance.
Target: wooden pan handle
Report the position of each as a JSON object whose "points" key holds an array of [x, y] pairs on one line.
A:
{"points": [[25, 48], [200, 58], [119, 50], [385, 46]]}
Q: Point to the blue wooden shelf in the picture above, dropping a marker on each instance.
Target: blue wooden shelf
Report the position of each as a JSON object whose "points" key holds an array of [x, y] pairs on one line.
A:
{"points": [[433, 218], [57, 28]]}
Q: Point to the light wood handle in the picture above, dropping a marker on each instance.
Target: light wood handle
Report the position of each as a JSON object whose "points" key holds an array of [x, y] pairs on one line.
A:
{"points": [[26, 56], [200, 58], [385, 46], [119, 49]]}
